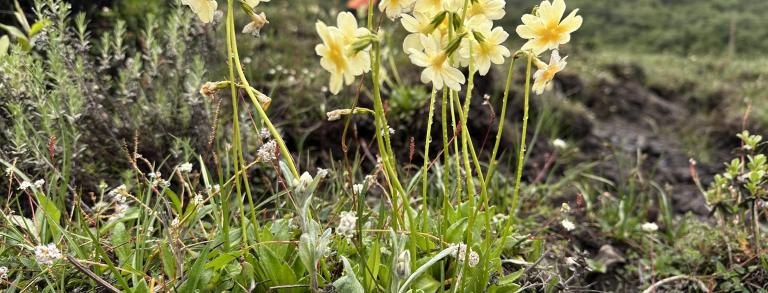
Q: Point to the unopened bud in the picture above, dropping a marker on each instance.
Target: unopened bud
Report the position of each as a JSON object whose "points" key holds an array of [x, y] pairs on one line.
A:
{"points": [[258, 21], [209, 88]]}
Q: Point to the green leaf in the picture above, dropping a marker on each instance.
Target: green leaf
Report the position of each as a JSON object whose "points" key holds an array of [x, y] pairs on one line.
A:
{"points": [[349, 282], [511, 278], [168, 259], [222, 260], [38, 26], [120, 239], [275, 268], [196, 271], [5, 42], [175, 199], [17, 34], [141, 287], [455, 232]]}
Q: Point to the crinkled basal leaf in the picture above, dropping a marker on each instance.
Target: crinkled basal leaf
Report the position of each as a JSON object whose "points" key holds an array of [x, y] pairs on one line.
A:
{"points": [[349, 282]]}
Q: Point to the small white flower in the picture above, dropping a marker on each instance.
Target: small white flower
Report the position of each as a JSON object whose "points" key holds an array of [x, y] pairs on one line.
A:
{"points": [[498, 218], [266, 152], [357, 188], [568, 225], [650, 227], [565, 208], [303, 182], [560, 144], [39, 183], [3, 273], [198, 199], [25, 185], [347, 224], [185, 168], [390, 129], [474, 258], [321, 173], [175, 222], [119, 212], [119, 193], [47, 254], [160, 182], [265, 134]]}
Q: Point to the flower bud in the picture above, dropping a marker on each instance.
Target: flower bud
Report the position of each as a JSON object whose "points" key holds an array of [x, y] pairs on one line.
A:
{"points": [[258, 21], [209, 88]]}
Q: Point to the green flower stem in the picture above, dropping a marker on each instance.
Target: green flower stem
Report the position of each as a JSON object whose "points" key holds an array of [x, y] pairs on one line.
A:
{"points": [[457, 164], [236, 131], [520, 156], [502, 118], [238, 147], [384, 143], [426, 155], [467, 166], [446, 150]]}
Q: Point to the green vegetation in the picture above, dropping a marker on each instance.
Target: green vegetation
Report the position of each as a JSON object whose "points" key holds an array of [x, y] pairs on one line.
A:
{"points": [[143, 150]]}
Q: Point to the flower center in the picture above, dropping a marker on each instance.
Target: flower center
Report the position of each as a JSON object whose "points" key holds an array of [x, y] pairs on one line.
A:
{"points": [[549, 74], [439, 60], [336, 54], [550, 33]]}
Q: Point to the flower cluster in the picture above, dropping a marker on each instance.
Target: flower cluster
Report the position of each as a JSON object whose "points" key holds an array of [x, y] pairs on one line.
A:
{"points": [[461, 253], [119, 194], [347, 224], [546, 29], [47, 254], [266, 152], [344, 51], [27, 185], [444, 36]]}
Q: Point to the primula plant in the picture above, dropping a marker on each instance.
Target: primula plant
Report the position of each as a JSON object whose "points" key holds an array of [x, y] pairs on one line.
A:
{"points": [[199, 228], [389, 146]]}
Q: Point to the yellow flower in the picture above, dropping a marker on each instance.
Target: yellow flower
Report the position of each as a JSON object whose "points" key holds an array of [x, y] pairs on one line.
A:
{"points": [[546, 72], [417, 24], [544, 30], [347, 24], [394, 8], [254, 3], [433, 7], [336, 54], [437, 69], [203, 8], [488, 48], [491, 9]]}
